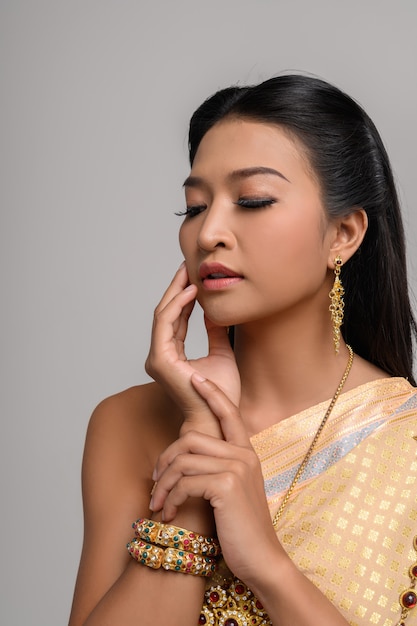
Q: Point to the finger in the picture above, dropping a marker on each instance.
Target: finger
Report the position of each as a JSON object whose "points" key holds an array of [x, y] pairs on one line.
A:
{"points": [[166, 320], [173, 308], [226, 412], [199, 486], [177, 284], [181, 326], [222, 489], [187, 465], [193, 443], [218, 339]]}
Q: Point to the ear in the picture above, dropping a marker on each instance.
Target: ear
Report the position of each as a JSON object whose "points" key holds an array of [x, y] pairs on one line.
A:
{"points": [[348, 235]]}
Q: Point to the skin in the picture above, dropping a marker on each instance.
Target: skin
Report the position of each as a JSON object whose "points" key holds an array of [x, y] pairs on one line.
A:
{"points": [[190, 431]]}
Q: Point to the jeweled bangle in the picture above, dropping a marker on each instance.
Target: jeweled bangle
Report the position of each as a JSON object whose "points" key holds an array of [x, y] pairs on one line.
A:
{"points": [[175, 537], [188, 562], [171, 559], [146, 553]]}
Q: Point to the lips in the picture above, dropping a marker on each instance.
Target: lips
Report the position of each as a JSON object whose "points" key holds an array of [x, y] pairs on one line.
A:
{"points": [[216, 271], [217, 277]]}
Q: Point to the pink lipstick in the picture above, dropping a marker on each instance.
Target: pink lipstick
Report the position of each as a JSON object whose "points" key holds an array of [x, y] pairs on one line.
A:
{"points": [[215, 276]]}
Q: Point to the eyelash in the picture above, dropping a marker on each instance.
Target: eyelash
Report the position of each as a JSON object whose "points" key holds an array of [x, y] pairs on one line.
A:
{"points": [[245, 203], [191, 211], [255, 203]]}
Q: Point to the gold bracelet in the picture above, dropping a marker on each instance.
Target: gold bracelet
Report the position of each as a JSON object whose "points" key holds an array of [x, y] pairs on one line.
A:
{"points": [[171, 559], [146, 553], [175, 537]]}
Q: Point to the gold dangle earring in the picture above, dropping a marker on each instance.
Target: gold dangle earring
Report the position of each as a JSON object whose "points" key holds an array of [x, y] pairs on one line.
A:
{"points": [[337, 305]]}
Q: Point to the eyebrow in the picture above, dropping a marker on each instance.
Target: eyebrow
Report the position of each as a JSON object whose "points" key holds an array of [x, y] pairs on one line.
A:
{"points": [[246, 172]]}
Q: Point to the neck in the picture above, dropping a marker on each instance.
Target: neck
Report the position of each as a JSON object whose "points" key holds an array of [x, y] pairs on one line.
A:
{"points": [[286, 367]]}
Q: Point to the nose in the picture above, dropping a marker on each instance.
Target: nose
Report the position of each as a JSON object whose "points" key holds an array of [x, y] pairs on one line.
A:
{"points": [[216, 229]]}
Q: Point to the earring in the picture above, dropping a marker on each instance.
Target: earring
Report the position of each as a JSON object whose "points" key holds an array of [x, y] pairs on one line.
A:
{"points": [[337, 303]]}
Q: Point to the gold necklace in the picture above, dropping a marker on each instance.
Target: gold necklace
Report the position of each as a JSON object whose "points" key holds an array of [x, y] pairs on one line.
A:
{"points": [[313, 444], [232, 603]]}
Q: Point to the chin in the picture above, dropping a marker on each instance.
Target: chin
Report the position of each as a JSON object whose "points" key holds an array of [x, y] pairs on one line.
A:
{"points": [[221, 316]]}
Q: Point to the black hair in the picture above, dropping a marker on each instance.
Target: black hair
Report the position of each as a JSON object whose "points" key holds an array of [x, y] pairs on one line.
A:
{"points": [[347, 155]]}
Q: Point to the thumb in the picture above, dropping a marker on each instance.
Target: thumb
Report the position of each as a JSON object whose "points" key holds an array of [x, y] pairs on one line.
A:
{"points": [[218, 339]]}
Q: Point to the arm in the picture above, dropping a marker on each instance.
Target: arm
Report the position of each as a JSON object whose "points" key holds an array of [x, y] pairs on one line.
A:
{"points": [[120, 455], [126, 435], [228, 474]]}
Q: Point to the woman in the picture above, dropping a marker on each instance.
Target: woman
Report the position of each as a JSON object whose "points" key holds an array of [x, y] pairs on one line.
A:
{"points": [[293, 453]]}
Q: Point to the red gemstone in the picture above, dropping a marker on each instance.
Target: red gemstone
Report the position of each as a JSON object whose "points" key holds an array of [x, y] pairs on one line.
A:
{"points": [[214, 596], [240, 589], [259, 605], [408, 599], [202, 619], [231, 622], [245, 607], [413, 570]]}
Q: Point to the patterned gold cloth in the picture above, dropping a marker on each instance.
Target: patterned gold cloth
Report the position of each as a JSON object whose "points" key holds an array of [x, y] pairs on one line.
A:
{"points": [[350, 522]]}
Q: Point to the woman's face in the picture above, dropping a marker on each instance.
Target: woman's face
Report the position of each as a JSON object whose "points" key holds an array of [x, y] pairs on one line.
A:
{"points": [[256, 239]]}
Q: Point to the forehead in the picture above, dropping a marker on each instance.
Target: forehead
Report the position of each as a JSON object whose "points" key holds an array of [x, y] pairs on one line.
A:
{"points": [[235, 143]]}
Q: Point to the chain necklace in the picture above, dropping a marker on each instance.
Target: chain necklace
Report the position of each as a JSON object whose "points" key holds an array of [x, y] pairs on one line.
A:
{"points": [[313, 444], [232, 603]]}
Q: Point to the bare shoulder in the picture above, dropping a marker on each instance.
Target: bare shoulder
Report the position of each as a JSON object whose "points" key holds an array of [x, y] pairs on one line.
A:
{"points": [[126, 434], [140, 419]]}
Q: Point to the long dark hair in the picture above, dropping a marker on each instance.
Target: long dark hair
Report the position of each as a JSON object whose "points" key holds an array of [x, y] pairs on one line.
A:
{"points": [[349, 158]]}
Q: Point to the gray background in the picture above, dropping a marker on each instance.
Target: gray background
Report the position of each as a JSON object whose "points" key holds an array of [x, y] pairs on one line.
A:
{"points": [[95, 100]]}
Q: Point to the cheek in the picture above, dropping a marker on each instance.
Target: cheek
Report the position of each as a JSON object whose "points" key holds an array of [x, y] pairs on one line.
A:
{"points": [[287, 253], [184, 240], [188, 249]]}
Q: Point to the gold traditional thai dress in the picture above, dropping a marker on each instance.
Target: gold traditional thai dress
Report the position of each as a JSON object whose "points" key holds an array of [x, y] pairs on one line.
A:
{"points": [[351, 520]]}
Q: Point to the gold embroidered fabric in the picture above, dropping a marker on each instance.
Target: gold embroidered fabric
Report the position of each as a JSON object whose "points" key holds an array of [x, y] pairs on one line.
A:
{"points": [[350, 523]]}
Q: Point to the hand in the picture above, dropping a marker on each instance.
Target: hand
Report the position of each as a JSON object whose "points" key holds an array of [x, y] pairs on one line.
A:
{"points": [[167, 362], [227, 473]]}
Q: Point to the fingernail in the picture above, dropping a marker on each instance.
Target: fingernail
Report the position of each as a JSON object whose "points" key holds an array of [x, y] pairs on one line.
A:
{"points": [[154, 475], [182, 265], [189, 288], [151, 504], [199, 377]]}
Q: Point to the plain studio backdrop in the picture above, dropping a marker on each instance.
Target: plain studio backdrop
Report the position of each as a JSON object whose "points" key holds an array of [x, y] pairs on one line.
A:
{"points": [[95, 100]]}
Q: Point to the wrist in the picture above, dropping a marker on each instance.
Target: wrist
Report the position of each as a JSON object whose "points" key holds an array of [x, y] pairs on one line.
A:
{"points": [[272, 579], [207, 425]]}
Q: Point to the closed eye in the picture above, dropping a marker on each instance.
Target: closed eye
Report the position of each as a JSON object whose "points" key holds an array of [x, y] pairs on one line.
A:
{"points": [[255, 203], [192, 211]]}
